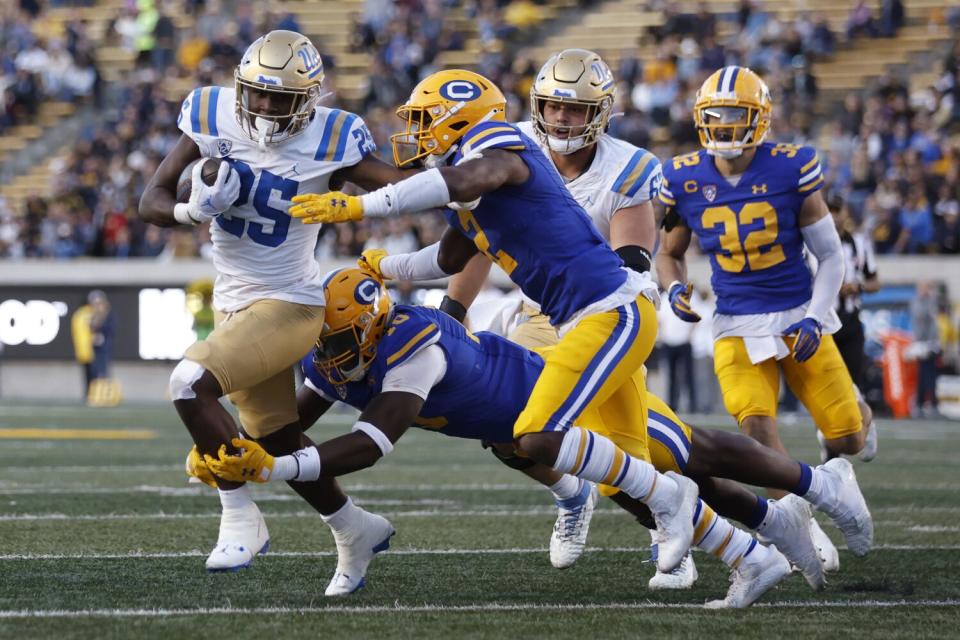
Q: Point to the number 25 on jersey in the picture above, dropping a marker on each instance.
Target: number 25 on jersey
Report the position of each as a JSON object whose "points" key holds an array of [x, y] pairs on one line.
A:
{"points": [[758, 248]]}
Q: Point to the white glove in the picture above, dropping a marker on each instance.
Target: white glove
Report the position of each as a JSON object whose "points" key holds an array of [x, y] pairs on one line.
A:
{"points": [[207, 202]]}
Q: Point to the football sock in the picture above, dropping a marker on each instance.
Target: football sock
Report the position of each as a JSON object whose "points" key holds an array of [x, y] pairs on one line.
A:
{"points": [[759, 513], [343, 518], [594, 457], [566, 487], [719, 538], [816, 492], [235, 498]]}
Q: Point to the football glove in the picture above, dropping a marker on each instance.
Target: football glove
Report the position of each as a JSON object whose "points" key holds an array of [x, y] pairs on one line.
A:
{"points": [[369, 261], [197, 469], [209, 201], [331, 207], [253, 463], [679, 297], [808, 333]]}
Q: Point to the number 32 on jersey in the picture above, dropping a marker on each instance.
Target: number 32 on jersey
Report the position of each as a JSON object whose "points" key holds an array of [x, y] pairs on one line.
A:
{"points": [[742, 244]]}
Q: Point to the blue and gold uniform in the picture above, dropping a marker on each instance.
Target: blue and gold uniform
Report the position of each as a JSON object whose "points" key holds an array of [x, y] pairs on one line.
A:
{"points": [[751, 234], [544, 240], [487, 383], [749, 230], [536, 232]]}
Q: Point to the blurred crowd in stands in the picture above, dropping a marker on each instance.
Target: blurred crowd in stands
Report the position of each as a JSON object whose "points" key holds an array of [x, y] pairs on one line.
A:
{"points": [[894, 154]]}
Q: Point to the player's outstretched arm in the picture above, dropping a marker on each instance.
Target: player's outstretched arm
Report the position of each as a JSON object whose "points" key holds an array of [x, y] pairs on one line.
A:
{"points": [[436, 261], [381, 424], [160, 195], [423, 191]]}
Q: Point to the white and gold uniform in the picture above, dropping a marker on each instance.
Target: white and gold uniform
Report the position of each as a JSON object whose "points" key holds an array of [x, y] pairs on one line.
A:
{"points": [[268, 294]]}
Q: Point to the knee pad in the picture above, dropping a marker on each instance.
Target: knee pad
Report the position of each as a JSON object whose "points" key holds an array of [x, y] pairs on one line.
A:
{"points": [[512, 460], [184, 376]]}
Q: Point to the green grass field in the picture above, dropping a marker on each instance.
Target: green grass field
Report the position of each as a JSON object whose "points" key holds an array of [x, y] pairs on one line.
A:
{"points": [[104, 538]]}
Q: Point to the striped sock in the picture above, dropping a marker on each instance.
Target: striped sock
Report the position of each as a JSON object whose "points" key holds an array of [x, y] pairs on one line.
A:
{"points": [[594, 457], [566, 487], [719, 538]]}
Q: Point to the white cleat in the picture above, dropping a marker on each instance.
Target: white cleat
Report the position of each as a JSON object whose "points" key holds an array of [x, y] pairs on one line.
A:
{"points": [[792, 537], [870, 444], [683, 577], [355, 550], [848, 509], [573, 522], [675, 527], [827, 551], [243, 535], [757, 574]]}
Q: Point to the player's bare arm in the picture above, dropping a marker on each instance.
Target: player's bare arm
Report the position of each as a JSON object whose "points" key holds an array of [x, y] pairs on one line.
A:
{"points": [[464, 286], [310, 406], [385, 419], [370, 173], [671, 260], [159, 196]]}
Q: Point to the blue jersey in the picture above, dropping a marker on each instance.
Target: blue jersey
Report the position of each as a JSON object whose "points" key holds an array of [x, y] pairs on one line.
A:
{"points": [[483, 391], [750, 230], [537, 232]]}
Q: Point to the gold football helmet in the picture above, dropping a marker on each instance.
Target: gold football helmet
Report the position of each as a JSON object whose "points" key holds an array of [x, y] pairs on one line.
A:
{"points": [[286, 63], [358, 307], [441, 109], [574, 76], [732, 111]]}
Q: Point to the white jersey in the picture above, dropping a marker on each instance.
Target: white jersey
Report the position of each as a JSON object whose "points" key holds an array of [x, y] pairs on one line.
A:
{"points": [[620, 176], [259, 250]]}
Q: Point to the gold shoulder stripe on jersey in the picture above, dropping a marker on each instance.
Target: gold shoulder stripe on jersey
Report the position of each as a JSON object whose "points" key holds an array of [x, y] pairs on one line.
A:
{"points": [[414, 341]]}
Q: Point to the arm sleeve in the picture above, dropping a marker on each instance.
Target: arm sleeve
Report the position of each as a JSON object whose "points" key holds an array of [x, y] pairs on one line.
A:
{"points": [[419, 265], [822, 239], [418, 374]]}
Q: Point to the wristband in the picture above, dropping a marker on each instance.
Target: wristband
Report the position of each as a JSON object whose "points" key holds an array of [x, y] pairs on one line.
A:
{"points": [[453, 309]]}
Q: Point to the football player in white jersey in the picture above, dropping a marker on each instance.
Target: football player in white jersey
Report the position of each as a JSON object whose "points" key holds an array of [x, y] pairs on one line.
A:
{"points": [[277, 142], [571, 102]]}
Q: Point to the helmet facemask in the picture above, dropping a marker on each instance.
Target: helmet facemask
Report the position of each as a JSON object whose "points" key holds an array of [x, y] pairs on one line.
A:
{"points": [[419, 138], [726, 130], [595, 123], [273, 129], [345, 355]]}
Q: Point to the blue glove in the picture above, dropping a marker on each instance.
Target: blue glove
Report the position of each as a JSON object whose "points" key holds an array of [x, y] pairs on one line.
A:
{"points": [[680, 302], [808, 333]]}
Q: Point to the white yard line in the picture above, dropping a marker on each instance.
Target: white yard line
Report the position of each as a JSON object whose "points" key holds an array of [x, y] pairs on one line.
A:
{"points": [[196, 553], [467, 608]]}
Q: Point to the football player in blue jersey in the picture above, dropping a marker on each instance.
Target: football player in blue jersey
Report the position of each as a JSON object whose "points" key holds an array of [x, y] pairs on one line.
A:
{"points": [[405, 365], [508, 202], [754, 206]]}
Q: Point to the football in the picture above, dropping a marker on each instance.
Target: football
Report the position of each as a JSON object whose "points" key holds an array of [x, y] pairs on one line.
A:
{"points": [[209, 175]]}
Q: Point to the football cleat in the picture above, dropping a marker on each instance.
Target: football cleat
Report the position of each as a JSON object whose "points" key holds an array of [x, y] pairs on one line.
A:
{"points": [[756, 574], [847, 509], [827, 551], [675, 527], [683, 577], [570, 531], [790, 532], [243, 535], [870, 444], [355, 549]]}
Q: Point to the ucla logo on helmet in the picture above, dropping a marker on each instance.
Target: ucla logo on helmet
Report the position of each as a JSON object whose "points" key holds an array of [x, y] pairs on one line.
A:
{"points": [[366, 292], [460, 90]]}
